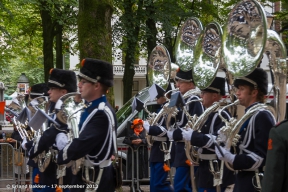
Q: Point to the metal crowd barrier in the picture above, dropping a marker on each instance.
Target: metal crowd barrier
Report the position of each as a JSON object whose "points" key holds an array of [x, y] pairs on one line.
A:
{"points": [[12, 177], [134, 181]]}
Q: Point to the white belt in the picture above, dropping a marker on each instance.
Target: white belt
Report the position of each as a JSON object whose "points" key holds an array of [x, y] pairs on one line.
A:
{"points": [[207, 156], [155, 138], [105, 163]]}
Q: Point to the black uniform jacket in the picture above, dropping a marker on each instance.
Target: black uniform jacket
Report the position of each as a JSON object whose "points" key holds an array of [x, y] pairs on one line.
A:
{"points": [[156, 154], [255, 139], [276, 169], [31, 162], [181, 120], [47, 140], [202, 140], [90, 142]]}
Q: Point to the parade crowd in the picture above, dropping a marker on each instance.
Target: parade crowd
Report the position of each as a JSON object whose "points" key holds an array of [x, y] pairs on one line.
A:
{"points": [[62, 161]]}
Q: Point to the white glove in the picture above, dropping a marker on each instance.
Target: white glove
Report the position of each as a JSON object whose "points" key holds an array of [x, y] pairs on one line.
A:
{"points": [[187, 134], [221, 137], [146, 126], [170, 134], [23, 145], [228, 156], [61, 140]]}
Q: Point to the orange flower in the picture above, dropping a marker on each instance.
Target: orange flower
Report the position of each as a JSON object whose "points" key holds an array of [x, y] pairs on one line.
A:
{"points": [[166, 167], [188, 162]]}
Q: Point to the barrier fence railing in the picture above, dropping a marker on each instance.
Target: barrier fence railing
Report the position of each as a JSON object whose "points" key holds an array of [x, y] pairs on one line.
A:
{"points": [[135, 179], [18, 178], [13, 177]]}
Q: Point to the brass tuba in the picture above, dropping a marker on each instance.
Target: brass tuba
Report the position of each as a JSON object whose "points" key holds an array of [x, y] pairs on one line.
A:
{"points": [[68, 111], [276, 52], [159, 70]]}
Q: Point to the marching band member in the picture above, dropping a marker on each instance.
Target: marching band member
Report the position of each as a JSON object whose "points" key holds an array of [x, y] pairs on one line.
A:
{"points": [[97, 122], [36, 90], [60, 83], [252, 145], [275, 177], [203, 139], [184, 82], [158, 167]]}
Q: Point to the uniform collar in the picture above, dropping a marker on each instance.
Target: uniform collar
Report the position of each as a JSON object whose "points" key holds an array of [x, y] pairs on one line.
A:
{"points": [[96, 102], [251, 106]]}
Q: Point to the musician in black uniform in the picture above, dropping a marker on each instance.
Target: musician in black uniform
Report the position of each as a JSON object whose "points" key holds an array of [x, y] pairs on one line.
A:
{"points": [[252, 146], [159, 167], [95, 143], [60, 83], [203, 139], [36, 90], [184, 82], [275, 176]]}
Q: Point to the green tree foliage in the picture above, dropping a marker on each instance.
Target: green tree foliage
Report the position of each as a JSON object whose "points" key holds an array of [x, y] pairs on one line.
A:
{"points": [[23, 32]]}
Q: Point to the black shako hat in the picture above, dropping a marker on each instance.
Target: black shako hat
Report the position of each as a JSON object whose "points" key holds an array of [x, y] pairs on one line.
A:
{"points": [[37, 90], [95, 70], [257, 79], [217, 86], [184, 75], [63, 79]]}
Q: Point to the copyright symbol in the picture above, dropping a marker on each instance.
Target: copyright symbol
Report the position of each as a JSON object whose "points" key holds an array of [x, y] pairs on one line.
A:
{"points": [[8, 186]]}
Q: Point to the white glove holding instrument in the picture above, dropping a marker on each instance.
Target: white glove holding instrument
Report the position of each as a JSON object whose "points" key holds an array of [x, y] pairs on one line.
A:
{"points": [[23, 145], [146, 126], [187, 134], [170, 134], [224, 155], [61, 140], [221, 137]]}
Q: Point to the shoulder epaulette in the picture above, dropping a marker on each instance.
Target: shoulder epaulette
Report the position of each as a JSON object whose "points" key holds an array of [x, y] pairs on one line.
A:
{"points": [[280, 123]]}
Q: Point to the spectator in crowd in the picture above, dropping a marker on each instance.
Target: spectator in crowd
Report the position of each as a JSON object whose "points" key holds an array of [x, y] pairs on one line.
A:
{"points": [[136, 139], [116, 108]]}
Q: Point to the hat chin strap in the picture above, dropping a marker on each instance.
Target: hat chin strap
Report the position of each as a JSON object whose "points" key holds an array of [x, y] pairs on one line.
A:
{"points": [[214, 89], [56, 83], [185, 80], [89, 78], [248, 80]]}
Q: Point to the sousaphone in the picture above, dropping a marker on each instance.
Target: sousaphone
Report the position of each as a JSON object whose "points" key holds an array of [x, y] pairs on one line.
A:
{"points": [[276, 52], [186, 41], [207, 55], [244, 38], [159, 67]]}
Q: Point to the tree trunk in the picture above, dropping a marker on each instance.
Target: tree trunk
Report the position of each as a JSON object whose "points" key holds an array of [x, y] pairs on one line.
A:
{"points": [[95, 33], [59, 48], [132, 28], [151, 32], [48, 36]]}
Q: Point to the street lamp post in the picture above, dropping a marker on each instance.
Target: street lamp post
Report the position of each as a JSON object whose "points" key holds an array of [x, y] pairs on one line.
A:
{"points": [[23, 84]]}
